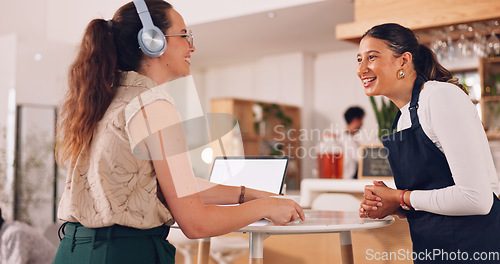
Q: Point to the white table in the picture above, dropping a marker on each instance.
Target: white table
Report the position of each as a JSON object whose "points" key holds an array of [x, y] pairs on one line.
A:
{"points": [[316, 222]]}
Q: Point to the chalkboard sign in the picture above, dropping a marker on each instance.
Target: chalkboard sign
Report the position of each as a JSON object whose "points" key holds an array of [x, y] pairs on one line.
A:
{"points": [[373, 163]]}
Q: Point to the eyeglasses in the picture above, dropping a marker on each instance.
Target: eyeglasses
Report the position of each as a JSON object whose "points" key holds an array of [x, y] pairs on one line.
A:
{"points": [[188, 36]]}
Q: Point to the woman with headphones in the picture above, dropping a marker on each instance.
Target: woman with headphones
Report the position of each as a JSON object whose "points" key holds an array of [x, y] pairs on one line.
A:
{"points": [[119, 205]]}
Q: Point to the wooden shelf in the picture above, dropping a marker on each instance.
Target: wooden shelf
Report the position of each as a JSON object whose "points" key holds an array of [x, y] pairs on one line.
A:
{"points": [[461, 70], [425, 14], [425, 36], [489, 103], [265, 140], [492, 60], [493, 135], [489, 98]]}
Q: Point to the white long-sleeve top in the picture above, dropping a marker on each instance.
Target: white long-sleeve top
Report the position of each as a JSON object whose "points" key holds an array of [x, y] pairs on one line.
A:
{"points": [[450, 120]]}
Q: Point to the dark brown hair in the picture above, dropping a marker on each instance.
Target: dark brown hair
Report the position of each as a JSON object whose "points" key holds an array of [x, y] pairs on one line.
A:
{"points": [[1, 218], [107, 48], [401, 39], [353, 112]]}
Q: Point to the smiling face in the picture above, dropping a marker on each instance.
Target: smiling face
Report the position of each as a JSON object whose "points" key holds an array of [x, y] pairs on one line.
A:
{"points": [[176, 60], [377, 66]]}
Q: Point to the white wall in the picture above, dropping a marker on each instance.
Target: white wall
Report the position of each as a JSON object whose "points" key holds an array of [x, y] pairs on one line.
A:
{"points": [[324, 86], [337, 87], [65, 20], [40, 81], [277, 78], [285, 78], [8, 63], [7, 72], [281, 79], [42, 72], [232, 8], [32, 72]]}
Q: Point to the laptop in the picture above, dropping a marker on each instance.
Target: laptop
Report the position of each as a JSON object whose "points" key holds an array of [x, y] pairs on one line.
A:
{"points": [[265, 173]]}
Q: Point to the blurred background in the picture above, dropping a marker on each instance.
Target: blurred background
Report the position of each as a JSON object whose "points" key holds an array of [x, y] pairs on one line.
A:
{"points": [[297, 54]]}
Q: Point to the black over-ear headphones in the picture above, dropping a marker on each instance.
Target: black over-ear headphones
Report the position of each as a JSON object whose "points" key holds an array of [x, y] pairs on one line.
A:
{"points": [[151, 39]]}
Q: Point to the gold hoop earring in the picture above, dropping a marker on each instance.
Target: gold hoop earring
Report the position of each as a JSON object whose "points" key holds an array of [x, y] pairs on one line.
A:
{"points": [[401, 74]]}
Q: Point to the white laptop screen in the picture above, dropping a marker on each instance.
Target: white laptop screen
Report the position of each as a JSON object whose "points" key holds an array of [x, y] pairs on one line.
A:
{"points": [[265, 173]]}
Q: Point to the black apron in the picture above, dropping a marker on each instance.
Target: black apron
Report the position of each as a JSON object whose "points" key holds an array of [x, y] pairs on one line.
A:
{"points": [[417, 164]]}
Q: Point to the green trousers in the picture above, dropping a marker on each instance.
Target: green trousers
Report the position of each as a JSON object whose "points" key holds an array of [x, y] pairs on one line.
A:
{"points": [[114, 244]]}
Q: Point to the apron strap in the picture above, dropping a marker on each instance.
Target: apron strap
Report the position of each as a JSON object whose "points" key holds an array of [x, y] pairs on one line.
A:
{"points": [[395, 122], [415, 94]]}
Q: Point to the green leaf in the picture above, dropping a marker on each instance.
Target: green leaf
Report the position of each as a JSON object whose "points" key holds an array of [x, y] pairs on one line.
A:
{"points": [[385, 115]]}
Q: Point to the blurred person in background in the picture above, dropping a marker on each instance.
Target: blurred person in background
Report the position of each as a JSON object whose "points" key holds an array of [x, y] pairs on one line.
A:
{"points": [[23, 244], [354, 118]]}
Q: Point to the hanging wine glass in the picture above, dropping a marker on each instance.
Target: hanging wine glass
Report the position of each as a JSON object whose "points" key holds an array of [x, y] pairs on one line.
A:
{"points": [[492, 25], [493, 47], [450, 46], [436, 44], [451, 49], [437, 47], [443, 45], [492, 43], [444, 49], [464, 47], [479, 45]]}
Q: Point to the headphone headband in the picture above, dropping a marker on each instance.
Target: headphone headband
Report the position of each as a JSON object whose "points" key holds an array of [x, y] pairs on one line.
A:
{"points": [[144, 16], [151, 39]]}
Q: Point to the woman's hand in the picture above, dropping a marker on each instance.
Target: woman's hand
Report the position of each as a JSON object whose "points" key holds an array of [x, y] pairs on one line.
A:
{"points": [[252, 194], [379, 201], [371, 202], [283, 211]]}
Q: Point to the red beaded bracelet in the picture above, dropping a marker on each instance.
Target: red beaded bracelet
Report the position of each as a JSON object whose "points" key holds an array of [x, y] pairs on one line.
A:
{"points": [[402, 200]]}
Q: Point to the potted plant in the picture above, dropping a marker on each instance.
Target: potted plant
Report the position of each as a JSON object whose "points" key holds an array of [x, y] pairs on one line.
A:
{"points": [[385, 114], [274, 111]]}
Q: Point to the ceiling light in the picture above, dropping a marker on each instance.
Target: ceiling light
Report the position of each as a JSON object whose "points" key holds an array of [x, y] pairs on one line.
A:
{"points": [[38, 57], [207, 155]]}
